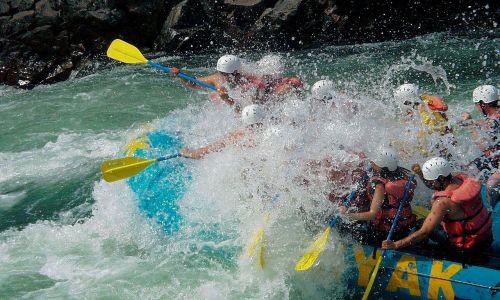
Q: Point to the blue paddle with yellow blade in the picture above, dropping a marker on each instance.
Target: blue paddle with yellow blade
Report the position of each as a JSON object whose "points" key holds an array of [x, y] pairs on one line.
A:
{"points": [[121, 168], [313, 252], [122, 51], [393, 227]]}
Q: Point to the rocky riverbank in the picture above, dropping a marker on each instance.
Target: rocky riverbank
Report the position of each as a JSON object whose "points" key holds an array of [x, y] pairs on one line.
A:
{"points": [[46, 41]]}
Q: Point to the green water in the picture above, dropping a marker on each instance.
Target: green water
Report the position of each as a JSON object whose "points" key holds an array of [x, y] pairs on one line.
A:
{"points": [[66, 234]]}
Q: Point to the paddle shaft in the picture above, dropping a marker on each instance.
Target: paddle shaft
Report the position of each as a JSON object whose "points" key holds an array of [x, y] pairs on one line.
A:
{"points": [[389, 236], [183, 76], [168, 157]]}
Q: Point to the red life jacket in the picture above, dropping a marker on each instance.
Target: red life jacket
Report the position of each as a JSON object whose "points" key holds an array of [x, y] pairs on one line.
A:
{"points": [[476, 226], [281, 84], [250, 81], [292, 81], [394, 193]]}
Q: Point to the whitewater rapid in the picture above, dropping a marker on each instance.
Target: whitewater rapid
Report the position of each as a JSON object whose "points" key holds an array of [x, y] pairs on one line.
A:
{"points": [[65, 233]]}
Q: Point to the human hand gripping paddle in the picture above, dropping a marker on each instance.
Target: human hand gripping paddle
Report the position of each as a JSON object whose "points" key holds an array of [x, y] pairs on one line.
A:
{"points": [[312, 254], [129, 54], [389, 236]]}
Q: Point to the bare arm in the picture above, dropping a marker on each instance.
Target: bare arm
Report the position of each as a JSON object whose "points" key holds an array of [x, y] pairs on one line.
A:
{"points": [[214, 147], [210, 79], [376, 204], [435, 217]]}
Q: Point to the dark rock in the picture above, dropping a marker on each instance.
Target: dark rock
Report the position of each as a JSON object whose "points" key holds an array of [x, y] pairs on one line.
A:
{"points": [[244, 2], [19, 23], [4, 8], [44, 41], [40, 39], [46, 12], [184, 28], [21, 5]]}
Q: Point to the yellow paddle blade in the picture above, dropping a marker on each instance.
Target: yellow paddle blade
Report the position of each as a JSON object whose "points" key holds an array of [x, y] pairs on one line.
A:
{"points": [[257, 237], [262, 262], [313, 252], [372, 278], [256, 240], [121, 168], [125, 52], [420, 211]]}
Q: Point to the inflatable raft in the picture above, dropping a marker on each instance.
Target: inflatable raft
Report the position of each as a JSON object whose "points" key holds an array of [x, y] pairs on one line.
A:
{"points": [[159, 187], [412, 274], [403, 275]]}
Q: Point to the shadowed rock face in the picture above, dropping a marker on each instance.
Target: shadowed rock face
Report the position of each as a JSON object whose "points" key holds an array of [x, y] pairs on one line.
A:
{"points": [[44, 41]]}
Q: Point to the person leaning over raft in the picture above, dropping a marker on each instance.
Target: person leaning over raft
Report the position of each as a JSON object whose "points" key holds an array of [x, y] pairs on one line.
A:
{"points": [[385, 191], [432, 117], [486, 133], [277, 86], [252, 117], [457, 205], [228, 76]]}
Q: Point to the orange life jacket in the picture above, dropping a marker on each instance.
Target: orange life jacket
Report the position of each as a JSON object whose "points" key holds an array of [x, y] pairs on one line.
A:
{"points": [[476, 226], [394, 193], [435, 103]]}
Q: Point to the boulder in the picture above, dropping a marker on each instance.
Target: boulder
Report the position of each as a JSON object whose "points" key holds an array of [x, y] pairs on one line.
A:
{"points": [[4, 8], [18, 23], [46, 12], [21, 5]]}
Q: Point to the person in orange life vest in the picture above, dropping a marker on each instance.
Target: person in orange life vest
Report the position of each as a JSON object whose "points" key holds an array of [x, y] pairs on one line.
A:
{"points": [[431, 108], [432, 118], [252, 117], [486, 134], [385, 191], [277, 86], [457, 206], [229, 76]]}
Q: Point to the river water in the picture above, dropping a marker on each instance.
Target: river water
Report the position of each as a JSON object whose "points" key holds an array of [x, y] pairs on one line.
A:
{"points": [[65, 233]]}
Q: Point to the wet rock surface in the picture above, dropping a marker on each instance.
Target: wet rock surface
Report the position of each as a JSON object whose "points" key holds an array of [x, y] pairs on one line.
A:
{"points": [[45, 41]]}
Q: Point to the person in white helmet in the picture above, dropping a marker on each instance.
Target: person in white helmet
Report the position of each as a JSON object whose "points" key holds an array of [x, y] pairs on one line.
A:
{"points": [[229, 75], [323, 90], [457, 206], [486, 133], [384, 192], [326, 92], [431, 108], [277, 86], [252, 117], [430, 114]]}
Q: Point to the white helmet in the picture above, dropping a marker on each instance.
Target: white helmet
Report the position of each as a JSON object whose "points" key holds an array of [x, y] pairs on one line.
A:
{"points": [[435, 167], [323, 89], [271, 65], [485, 93], [407, 92], [252, 114], [228, 64], [386, 158]]}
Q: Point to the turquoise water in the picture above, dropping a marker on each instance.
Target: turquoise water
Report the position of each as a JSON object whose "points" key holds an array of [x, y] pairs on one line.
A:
{"points": [[64, 233]]}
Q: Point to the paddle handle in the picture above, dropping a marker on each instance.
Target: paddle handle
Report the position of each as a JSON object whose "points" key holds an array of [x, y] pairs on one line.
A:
{"points": [[168, 157], [347, 202], [183, 76]]}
